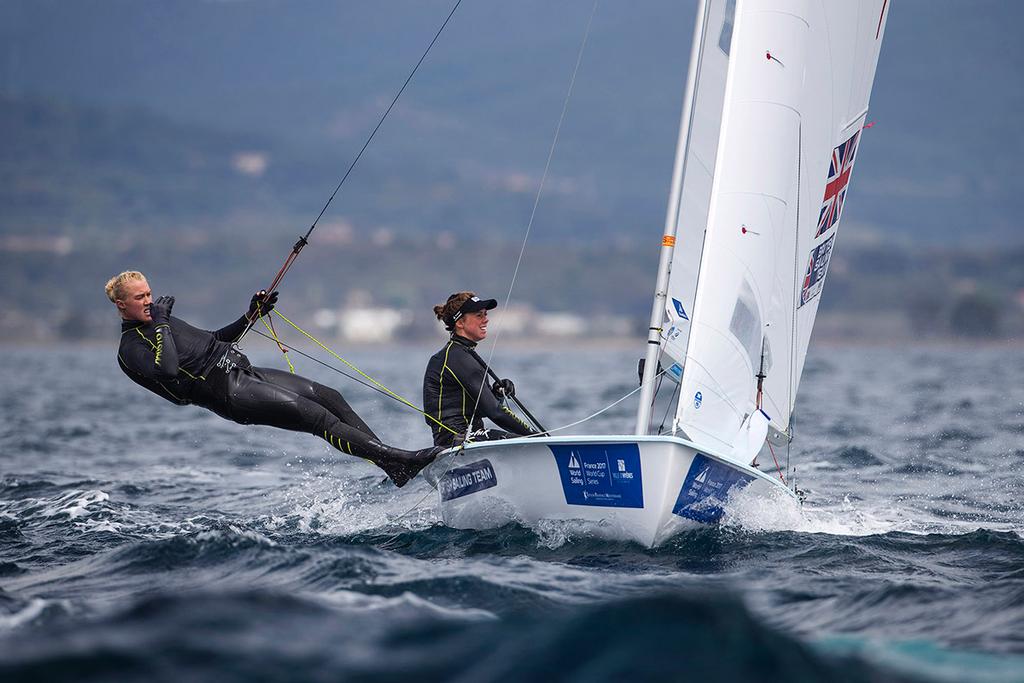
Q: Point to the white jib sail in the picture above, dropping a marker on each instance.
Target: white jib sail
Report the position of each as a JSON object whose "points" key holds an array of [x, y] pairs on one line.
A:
{"points": [[698, 172], [799, 79]]}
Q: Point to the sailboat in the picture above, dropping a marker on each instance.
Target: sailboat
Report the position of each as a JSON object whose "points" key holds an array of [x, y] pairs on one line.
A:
{"points": [[774, 110]]}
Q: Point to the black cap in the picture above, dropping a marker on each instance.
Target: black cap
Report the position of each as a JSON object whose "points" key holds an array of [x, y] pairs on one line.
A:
{"points": [[472, 305]]}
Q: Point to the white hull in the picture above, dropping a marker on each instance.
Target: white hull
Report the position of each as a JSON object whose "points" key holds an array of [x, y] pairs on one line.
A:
{"points": [[639, 488]]}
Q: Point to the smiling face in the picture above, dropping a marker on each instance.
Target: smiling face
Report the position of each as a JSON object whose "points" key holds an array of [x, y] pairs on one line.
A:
{"points": [[133, 304], [472, 326]]}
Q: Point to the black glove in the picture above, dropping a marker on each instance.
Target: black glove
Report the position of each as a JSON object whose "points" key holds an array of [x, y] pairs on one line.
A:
{"points": [[503, 388], [261, 303], [160, 310]]}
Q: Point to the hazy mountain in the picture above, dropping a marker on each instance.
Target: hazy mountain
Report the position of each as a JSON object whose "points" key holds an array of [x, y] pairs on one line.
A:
{"points": [[219, 114]]}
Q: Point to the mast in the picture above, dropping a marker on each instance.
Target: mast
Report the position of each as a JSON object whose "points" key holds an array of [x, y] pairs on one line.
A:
{"points": [[668, 241]]}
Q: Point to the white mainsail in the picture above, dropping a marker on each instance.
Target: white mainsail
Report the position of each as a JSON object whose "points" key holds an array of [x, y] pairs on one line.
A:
{"points": [[799, 77]]}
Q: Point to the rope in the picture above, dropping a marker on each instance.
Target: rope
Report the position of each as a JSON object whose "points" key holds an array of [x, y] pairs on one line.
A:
{"points": [[602, 410], [383, 390], [384, 116], [371, 383], [326, 365], [269, 324], [675, 392], [536, 203], [777, 467]]}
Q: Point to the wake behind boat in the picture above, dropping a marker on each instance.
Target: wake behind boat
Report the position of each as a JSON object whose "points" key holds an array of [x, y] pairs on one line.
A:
{"points": [[775, 106]]}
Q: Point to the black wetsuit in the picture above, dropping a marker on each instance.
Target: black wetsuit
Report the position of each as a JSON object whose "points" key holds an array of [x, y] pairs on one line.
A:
{"points": [[454, 376], [193, 366]]}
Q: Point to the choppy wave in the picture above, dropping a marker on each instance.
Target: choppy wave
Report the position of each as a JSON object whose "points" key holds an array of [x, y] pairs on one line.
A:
{"points": [[256, 635], [189, 548]]}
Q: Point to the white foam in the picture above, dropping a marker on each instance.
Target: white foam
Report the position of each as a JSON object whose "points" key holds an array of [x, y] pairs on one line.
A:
{"points": [[328, 505], [779, 512], [235, 537], [554, 533], [92, 526], [74, 504]]}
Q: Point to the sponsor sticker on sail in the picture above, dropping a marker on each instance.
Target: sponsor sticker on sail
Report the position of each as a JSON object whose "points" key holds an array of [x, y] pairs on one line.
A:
{"points": [[680, 311], [817, 266]]}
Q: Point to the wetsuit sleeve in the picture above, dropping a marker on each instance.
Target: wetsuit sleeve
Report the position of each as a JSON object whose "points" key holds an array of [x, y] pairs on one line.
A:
{"points": [[505, 418], [165, 357], [153, 359], [471, 374], [232, 332]]}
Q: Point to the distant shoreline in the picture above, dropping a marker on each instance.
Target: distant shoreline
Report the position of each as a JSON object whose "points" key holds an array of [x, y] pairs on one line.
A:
{"points": [[556, 344]]}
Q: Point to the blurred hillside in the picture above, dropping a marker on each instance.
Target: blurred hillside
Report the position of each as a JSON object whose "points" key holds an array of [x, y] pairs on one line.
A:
{"points": [[197, 140], [300, 85], [875, 292]]}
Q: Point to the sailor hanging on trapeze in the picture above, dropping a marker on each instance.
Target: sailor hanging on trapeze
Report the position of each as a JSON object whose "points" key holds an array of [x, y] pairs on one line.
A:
{"points": [[187, 365]]}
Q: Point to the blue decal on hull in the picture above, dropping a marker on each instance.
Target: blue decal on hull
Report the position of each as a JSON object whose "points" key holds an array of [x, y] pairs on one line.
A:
{"points": [[706, 488], [602, 475], [462, 481]]}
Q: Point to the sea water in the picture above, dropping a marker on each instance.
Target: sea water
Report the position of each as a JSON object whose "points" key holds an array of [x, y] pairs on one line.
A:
{"points": [[144, 541]]}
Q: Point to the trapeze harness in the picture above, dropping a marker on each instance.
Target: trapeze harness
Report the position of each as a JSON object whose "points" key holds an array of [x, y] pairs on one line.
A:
{"points": [[186, 365], [454, 376]]}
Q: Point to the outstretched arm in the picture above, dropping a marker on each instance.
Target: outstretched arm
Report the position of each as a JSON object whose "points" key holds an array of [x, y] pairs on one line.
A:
{"points": [[232, 331], [260, 304]]}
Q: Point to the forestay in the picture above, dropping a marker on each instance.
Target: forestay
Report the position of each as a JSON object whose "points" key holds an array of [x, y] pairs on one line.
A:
{"points": [[799, 77]]}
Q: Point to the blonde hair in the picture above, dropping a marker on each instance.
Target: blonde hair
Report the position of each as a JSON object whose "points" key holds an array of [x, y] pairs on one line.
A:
{"points": [[446, 311], [115, 285]]}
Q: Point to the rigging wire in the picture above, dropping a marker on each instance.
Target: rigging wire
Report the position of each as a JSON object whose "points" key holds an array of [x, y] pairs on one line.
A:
{"points": [[796, 294], [304, 240], [536, 203], [397, 399], [668, 408], [602, 410], [384, 116], [326, 365], [371, 384]]}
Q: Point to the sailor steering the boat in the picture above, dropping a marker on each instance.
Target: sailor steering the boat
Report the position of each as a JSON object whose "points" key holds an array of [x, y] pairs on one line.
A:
{"points": [[455, 390]]}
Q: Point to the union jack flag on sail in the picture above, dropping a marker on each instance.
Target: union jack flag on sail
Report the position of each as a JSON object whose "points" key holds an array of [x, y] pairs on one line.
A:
{"points": [[838, 181]]}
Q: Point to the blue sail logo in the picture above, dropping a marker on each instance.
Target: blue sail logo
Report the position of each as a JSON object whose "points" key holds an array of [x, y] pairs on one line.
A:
{"points": [[679, 309]]}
